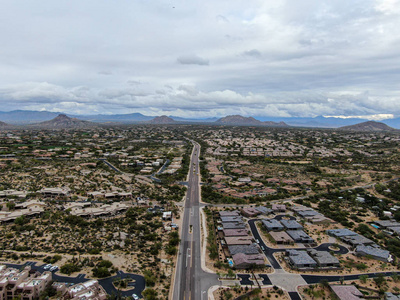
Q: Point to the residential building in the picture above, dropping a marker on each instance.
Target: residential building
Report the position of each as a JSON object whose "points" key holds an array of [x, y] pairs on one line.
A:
{"points": [[246, 249], [347, 292], [235, 232], [239, 240], [281, 237], [250, 212], [291, 224], [299, 236], [323, 258], [245, 261], [375, 252], [300, 259], [272, 225]]}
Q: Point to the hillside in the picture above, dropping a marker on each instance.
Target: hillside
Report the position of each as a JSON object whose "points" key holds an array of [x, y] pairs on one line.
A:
{"points": [[246, 121], [63, 121], [162, 120], [368, 126]]}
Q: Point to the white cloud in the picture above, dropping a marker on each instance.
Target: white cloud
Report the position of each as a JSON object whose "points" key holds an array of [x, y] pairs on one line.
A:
{"points": [[377, 117], [193, 60], [260, 57]]}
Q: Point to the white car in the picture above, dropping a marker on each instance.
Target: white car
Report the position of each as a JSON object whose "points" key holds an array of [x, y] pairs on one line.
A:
{"points": [[257, 241], [53, 268], [46, 267], [135, 297]]}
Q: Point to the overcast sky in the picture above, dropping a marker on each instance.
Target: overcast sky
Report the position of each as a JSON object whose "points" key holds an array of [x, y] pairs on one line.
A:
{"points": [[202, 58]]}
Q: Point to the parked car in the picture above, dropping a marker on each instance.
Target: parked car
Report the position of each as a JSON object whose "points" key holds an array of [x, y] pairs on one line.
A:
{"points": [[53, 268], [135, 297], [46, 267]]}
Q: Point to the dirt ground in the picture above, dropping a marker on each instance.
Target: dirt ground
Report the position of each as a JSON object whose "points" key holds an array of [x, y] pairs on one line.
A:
{"points": [[263, 293], [369, 288]]}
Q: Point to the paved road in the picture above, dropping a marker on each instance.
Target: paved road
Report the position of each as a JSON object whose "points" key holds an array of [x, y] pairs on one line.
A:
{"points": [[267, 251], [191, 282], [312, 279]]}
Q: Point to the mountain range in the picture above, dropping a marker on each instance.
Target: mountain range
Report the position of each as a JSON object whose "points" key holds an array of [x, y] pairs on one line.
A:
{"points": [[368, 126], [21, 117], [241, 121], [63, 121]]}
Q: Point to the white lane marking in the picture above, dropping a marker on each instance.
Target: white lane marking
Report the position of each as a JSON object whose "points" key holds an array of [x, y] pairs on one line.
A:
{"points": [[187, 256]]}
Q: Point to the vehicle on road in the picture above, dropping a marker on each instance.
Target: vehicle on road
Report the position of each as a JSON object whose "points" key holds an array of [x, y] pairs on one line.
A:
{"points": [[135, 297], [257, 241], [46, 267]]}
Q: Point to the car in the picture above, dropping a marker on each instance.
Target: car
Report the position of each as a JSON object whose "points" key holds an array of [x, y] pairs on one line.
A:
{"points": [[257, 241], [53, 268], [46, 267], [135, 297], [262, 247]]}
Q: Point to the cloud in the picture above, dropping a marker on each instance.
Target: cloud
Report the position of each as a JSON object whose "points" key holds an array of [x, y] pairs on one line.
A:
{"points": [[186, 99], [376, 117], [193, 60], [252, 53], [274, 58]]}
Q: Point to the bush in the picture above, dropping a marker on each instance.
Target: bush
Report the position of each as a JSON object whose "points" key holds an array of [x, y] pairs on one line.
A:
{"points": [[69, 268], [101, 272]]}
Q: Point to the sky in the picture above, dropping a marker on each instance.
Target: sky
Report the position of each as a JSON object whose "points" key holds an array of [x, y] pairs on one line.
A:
{"points": [[202, 58]]}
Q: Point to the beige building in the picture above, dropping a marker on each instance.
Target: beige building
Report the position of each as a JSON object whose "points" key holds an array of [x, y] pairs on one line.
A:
{"points": [[27, 285]]}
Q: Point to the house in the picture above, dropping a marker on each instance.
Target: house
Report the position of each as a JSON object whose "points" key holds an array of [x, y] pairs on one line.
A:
{"points": [[55, 191], [233, 219], [281, 237], [340, 232], [278, 207], [250, 212], [167, 215], [299, 236], [263, 210], [387, 223], [391, 296], [375, 252], [300, 259], [356, 240], [86, 290], [324, 258], [235, 232], [347, 292], [245, 261], [233, 226], [291, 224], [238, 240], [246, 249], [15, 283], [272, 225]]}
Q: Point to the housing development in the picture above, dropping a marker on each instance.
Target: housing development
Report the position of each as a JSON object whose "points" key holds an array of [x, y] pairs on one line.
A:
{"points": [[196, 211]]}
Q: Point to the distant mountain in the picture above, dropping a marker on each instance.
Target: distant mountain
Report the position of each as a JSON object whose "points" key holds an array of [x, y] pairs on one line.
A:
{"points": [[63, 121], [121, 118], [194, 120], [22, 117], [162, 120], [249, 121], [26, 116], [5, 126], [368, 126]]}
